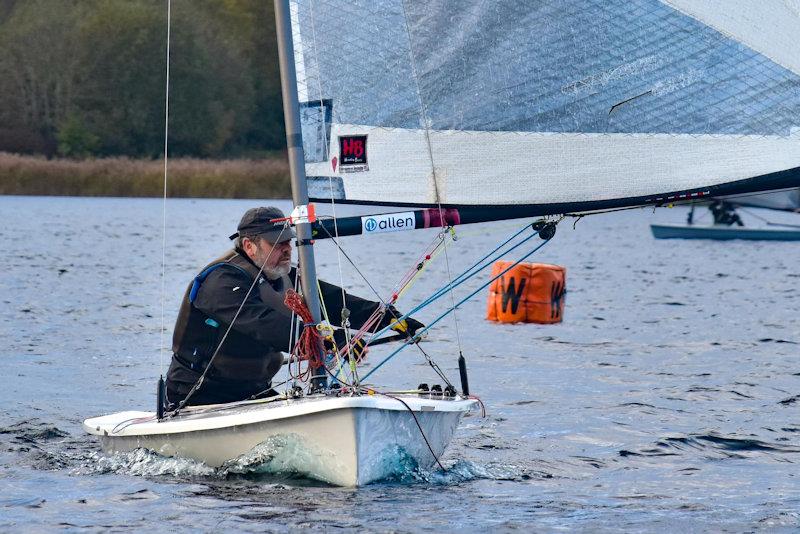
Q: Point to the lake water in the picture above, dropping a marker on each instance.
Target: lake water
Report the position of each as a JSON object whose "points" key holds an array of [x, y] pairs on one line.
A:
{"points": [[666, 400]]}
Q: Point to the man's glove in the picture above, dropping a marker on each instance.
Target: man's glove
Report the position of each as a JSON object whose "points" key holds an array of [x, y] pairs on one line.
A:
{"points": [[357, 347], [408, 326]]}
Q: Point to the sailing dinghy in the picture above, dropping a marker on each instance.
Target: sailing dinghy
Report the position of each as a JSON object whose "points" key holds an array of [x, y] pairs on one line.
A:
{"points": [[788, 201], [345, 440], [475, 111], [719, 232]]}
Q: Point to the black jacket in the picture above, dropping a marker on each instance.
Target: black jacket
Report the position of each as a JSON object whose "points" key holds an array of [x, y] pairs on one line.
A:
{"points": [[251, 354]]}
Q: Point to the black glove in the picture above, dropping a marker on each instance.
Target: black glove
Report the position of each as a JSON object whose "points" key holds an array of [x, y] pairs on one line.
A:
{"points": [[357, 348]]}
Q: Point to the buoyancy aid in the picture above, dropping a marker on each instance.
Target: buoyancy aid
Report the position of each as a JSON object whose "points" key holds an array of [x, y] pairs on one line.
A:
{"points": [[244, 364]]}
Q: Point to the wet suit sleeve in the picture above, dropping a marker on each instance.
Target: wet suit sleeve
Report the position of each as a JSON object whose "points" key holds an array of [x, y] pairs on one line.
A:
{"points": [[360, 309], [221, 295]]}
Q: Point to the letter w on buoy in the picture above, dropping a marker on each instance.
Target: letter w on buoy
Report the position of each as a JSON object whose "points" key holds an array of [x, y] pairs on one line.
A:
{"points": [[510, 293], [556, 296]]}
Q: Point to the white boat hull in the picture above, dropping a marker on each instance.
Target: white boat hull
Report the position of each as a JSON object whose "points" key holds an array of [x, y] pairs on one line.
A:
{"points": [[346, 441]]}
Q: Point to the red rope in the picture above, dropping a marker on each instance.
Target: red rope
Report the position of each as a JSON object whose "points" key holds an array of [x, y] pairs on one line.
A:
{"points": [[309, 347]]}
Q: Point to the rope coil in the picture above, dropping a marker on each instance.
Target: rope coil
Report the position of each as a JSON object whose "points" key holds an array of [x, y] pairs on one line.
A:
{"points": [[309, 346]]}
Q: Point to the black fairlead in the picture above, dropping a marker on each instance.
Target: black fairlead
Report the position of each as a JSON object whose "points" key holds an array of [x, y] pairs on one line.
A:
{"points": [[160, 398], [548, 231], [462, 369]]}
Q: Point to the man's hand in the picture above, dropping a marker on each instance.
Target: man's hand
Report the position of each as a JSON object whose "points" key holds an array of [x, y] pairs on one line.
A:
{"points": [[408, 326]]}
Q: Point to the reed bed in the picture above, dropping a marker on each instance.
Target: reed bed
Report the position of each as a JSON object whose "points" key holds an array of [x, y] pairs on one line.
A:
{"points": [[126, 177]]}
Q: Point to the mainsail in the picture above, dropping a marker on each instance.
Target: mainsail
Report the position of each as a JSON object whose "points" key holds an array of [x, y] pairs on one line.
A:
{"points": [[778, 200], [556, 106]]}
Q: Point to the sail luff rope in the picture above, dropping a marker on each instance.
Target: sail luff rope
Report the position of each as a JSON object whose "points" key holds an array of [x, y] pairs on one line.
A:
{"points": [[164, 203], [426, 124]]}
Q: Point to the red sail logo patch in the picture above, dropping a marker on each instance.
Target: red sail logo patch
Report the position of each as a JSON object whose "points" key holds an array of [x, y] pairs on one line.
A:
{"points": [[353, 153]]}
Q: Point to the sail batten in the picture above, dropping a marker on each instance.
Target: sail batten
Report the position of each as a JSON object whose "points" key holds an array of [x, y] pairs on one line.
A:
{"points": [[476, 103]]}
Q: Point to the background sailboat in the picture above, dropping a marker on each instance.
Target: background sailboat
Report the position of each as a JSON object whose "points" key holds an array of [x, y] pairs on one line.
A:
{"points": [[778, 200], [732, 219]]}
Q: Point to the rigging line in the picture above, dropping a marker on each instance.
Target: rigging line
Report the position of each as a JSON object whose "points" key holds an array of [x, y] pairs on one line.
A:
{"points": [[164, 203], [383, 302], [582, 214], [752, 214], [350, 260], [653, 205], [375, 318], [271, 387], [451, 291], [435, 366], [327, 319], [326, 149], [462, 301], [410, 278], [477, 267], [427, 126], [460, 280], [294, 331], [200, 380]]}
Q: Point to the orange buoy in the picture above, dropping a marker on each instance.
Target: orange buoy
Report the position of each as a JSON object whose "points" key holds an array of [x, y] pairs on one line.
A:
{"points": [[528, 293]]}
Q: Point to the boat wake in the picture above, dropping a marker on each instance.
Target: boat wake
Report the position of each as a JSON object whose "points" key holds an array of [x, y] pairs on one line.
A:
{"points": [[144, 463], [42, 446], [279, 460]]}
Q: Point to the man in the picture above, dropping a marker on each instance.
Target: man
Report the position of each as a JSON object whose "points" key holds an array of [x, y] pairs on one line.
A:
{"points": [[250, 355], [724, 213]]}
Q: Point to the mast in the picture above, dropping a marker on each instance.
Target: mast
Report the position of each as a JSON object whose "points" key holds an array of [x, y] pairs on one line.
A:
{"points": [[297, 171]]}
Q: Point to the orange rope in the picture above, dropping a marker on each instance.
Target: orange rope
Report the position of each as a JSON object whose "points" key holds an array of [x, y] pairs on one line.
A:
{"points": [[309, 347]]}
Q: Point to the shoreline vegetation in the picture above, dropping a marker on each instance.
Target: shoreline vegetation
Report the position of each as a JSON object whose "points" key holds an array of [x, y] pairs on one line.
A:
{"points": [[133, 177]]}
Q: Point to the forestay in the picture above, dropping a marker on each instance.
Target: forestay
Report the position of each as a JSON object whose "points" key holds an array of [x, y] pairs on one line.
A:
{"points": [[579, 104]]}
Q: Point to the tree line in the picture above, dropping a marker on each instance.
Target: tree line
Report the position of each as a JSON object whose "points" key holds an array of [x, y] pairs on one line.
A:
{"points": [[86, 78]]}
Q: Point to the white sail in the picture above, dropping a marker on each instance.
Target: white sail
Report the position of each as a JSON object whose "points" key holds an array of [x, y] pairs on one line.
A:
{"points": [[473, 103], [778, 200]]}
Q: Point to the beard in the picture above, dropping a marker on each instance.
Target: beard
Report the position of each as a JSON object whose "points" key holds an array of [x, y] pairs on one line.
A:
{"points": [[273, 273]]}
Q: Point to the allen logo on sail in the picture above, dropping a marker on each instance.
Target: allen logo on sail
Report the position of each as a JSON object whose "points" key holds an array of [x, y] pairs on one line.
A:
{"points": [[353, 153]]}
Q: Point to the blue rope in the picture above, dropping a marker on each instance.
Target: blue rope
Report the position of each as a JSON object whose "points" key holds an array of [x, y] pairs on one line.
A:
{"points": [[462, 301], [463, 277], [466, 274]]}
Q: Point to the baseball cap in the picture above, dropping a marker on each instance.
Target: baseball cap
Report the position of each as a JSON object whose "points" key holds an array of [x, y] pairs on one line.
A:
{"points": [[259, 222]]}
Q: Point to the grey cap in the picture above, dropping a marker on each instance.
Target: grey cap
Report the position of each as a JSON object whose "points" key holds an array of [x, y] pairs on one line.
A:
{"points": [[261, 222]]}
